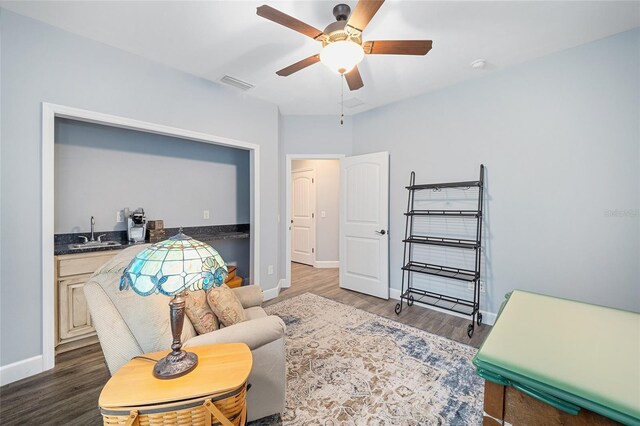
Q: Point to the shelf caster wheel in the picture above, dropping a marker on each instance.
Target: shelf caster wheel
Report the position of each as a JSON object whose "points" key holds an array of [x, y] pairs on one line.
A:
{"points": [[470, 330], [410, 301], [398, 308], [479, 318]]}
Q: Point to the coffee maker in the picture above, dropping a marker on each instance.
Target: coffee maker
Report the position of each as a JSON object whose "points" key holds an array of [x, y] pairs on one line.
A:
{"points": [[137, 226]]}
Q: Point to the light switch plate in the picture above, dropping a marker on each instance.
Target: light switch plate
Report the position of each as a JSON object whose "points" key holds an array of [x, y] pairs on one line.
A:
{"points": [[119, 216], [205, 214], [323, 214]]}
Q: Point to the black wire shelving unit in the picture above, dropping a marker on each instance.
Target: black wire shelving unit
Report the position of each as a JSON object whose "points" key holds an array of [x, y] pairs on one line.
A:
{"points": [[411, 266]]}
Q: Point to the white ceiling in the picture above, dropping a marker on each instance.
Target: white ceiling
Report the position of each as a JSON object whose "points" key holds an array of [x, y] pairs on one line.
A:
{"points": [[214, 38]]}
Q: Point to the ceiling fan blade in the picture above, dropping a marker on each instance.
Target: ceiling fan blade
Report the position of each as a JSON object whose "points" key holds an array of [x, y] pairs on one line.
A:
{"points": [[281, 18], [298, 66], [397, 47], [354, 79], [363, 13]]}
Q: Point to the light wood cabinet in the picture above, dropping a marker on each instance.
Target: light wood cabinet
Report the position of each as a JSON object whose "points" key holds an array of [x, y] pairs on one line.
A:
{"points": [[74, 328], [74, 315]]}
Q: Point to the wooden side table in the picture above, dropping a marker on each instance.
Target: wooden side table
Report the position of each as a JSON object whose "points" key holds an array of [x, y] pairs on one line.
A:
{"points": [[213, 393]]}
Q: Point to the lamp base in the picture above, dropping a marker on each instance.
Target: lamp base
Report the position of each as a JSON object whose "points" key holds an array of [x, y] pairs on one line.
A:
{"points": [[175, 365]]}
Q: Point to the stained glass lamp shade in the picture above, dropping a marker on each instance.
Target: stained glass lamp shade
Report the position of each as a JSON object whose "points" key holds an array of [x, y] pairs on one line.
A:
{"points": [[173, 267]]}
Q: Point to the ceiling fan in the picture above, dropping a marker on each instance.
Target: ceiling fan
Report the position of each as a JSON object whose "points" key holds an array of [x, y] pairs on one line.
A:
{"points": [[342, 45]]}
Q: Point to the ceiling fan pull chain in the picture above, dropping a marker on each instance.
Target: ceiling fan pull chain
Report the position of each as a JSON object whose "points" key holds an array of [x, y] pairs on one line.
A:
{"points": [[341, 99]]}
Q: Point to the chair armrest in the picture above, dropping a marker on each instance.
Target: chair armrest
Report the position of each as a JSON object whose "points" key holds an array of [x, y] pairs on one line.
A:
{"points": [[249, 295], [254, 333]]}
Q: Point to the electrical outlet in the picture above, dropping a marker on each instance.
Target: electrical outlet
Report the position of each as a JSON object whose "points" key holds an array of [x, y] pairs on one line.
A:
{"points": [[470, 286], [119, 216], [205, 214], [323, 214], [270, 269]]}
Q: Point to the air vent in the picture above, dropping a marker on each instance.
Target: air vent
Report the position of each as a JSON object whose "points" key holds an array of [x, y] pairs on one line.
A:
{"points": [[231, 81], [353, 102]]}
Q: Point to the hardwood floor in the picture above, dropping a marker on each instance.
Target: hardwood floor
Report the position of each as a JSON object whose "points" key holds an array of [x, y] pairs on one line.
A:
{"points": [[65, 395], [68, 394], [324, 282]]}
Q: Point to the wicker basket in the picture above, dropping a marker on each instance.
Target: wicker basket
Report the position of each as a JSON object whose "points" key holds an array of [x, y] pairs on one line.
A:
{"points": [[226, 410]]}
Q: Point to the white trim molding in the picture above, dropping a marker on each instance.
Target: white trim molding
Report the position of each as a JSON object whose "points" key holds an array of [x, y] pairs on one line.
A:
{"points": [[49, 113], [488, 318], [326, 264], [48, 284], [284, 283], [21, 369], [288, 163], [272, 293]]}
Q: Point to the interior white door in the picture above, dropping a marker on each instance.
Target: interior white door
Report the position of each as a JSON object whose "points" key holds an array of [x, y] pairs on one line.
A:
{"points": [[364, 224], [303, 208]]}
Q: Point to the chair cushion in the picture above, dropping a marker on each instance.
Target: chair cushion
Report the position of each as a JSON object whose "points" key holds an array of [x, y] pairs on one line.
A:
{"points": [[226, 305], [249, 295], [199, 312]]}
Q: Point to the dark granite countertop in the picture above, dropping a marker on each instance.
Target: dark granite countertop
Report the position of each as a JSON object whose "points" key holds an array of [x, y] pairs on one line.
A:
{"points": [[221, 236], [60, 249], [202, 233]]}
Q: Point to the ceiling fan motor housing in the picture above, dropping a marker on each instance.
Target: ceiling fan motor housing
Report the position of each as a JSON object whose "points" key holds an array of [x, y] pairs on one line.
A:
{"points": [[338, 31], [342, 12]]}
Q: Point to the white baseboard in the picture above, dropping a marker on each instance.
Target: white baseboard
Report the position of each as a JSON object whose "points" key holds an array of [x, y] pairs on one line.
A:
{"points": [[272, 293], [488, 318], [283, 283], [326, 264], [20, 369]]}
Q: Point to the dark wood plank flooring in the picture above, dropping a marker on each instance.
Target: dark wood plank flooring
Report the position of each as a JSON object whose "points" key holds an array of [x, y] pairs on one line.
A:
{"points": [[68, 394], [324, 282]]}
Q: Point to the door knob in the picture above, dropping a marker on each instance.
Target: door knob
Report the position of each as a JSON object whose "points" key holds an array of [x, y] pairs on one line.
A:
{"points": [[381, 232]]}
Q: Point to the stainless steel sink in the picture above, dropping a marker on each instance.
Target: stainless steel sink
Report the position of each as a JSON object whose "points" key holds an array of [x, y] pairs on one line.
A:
{"points": [[93, 244]]}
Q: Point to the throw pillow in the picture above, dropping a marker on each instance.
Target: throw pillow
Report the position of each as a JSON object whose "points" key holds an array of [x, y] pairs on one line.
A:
{"points": [[199, 312], [226, 305]]}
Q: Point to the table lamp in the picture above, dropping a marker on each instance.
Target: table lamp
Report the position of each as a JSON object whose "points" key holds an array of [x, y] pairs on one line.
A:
{"points": [[173, 267]]}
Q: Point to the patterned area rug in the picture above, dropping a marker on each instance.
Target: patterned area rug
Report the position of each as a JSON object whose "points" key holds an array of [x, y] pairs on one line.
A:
{"points": [[346, 366]]}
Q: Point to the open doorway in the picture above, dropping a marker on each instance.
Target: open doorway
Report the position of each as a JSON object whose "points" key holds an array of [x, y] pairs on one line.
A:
{"points": [[313, 199]]}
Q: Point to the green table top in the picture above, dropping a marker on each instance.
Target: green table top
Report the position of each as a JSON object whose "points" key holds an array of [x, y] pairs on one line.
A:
{"points": [[582, 354]]}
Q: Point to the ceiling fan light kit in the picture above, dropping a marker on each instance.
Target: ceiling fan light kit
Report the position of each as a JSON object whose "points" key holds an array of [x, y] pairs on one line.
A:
{"points": [[342, 56]]}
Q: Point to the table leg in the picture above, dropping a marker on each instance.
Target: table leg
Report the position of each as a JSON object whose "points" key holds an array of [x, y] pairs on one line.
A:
{"points": [[493, 404]]}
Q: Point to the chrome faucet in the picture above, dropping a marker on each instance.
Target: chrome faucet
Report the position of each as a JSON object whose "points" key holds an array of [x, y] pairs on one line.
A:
{"points": [[93, 223]]}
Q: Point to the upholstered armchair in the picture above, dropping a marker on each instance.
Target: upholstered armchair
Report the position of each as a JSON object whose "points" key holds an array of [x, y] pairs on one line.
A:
{"points": [[129, 325]]}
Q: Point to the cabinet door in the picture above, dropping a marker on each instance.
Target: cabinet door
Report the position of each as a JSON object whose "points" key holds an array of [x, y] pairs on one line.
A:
{"points": [[75, 320]]}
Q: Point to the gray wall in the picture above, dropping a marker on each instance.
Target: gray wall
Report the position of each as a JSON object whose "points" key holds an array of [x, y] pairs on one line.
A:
{"points": [[100, 170], [44, 64], [560, 137], [306, 134], [327, 179], [316, 134]]}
